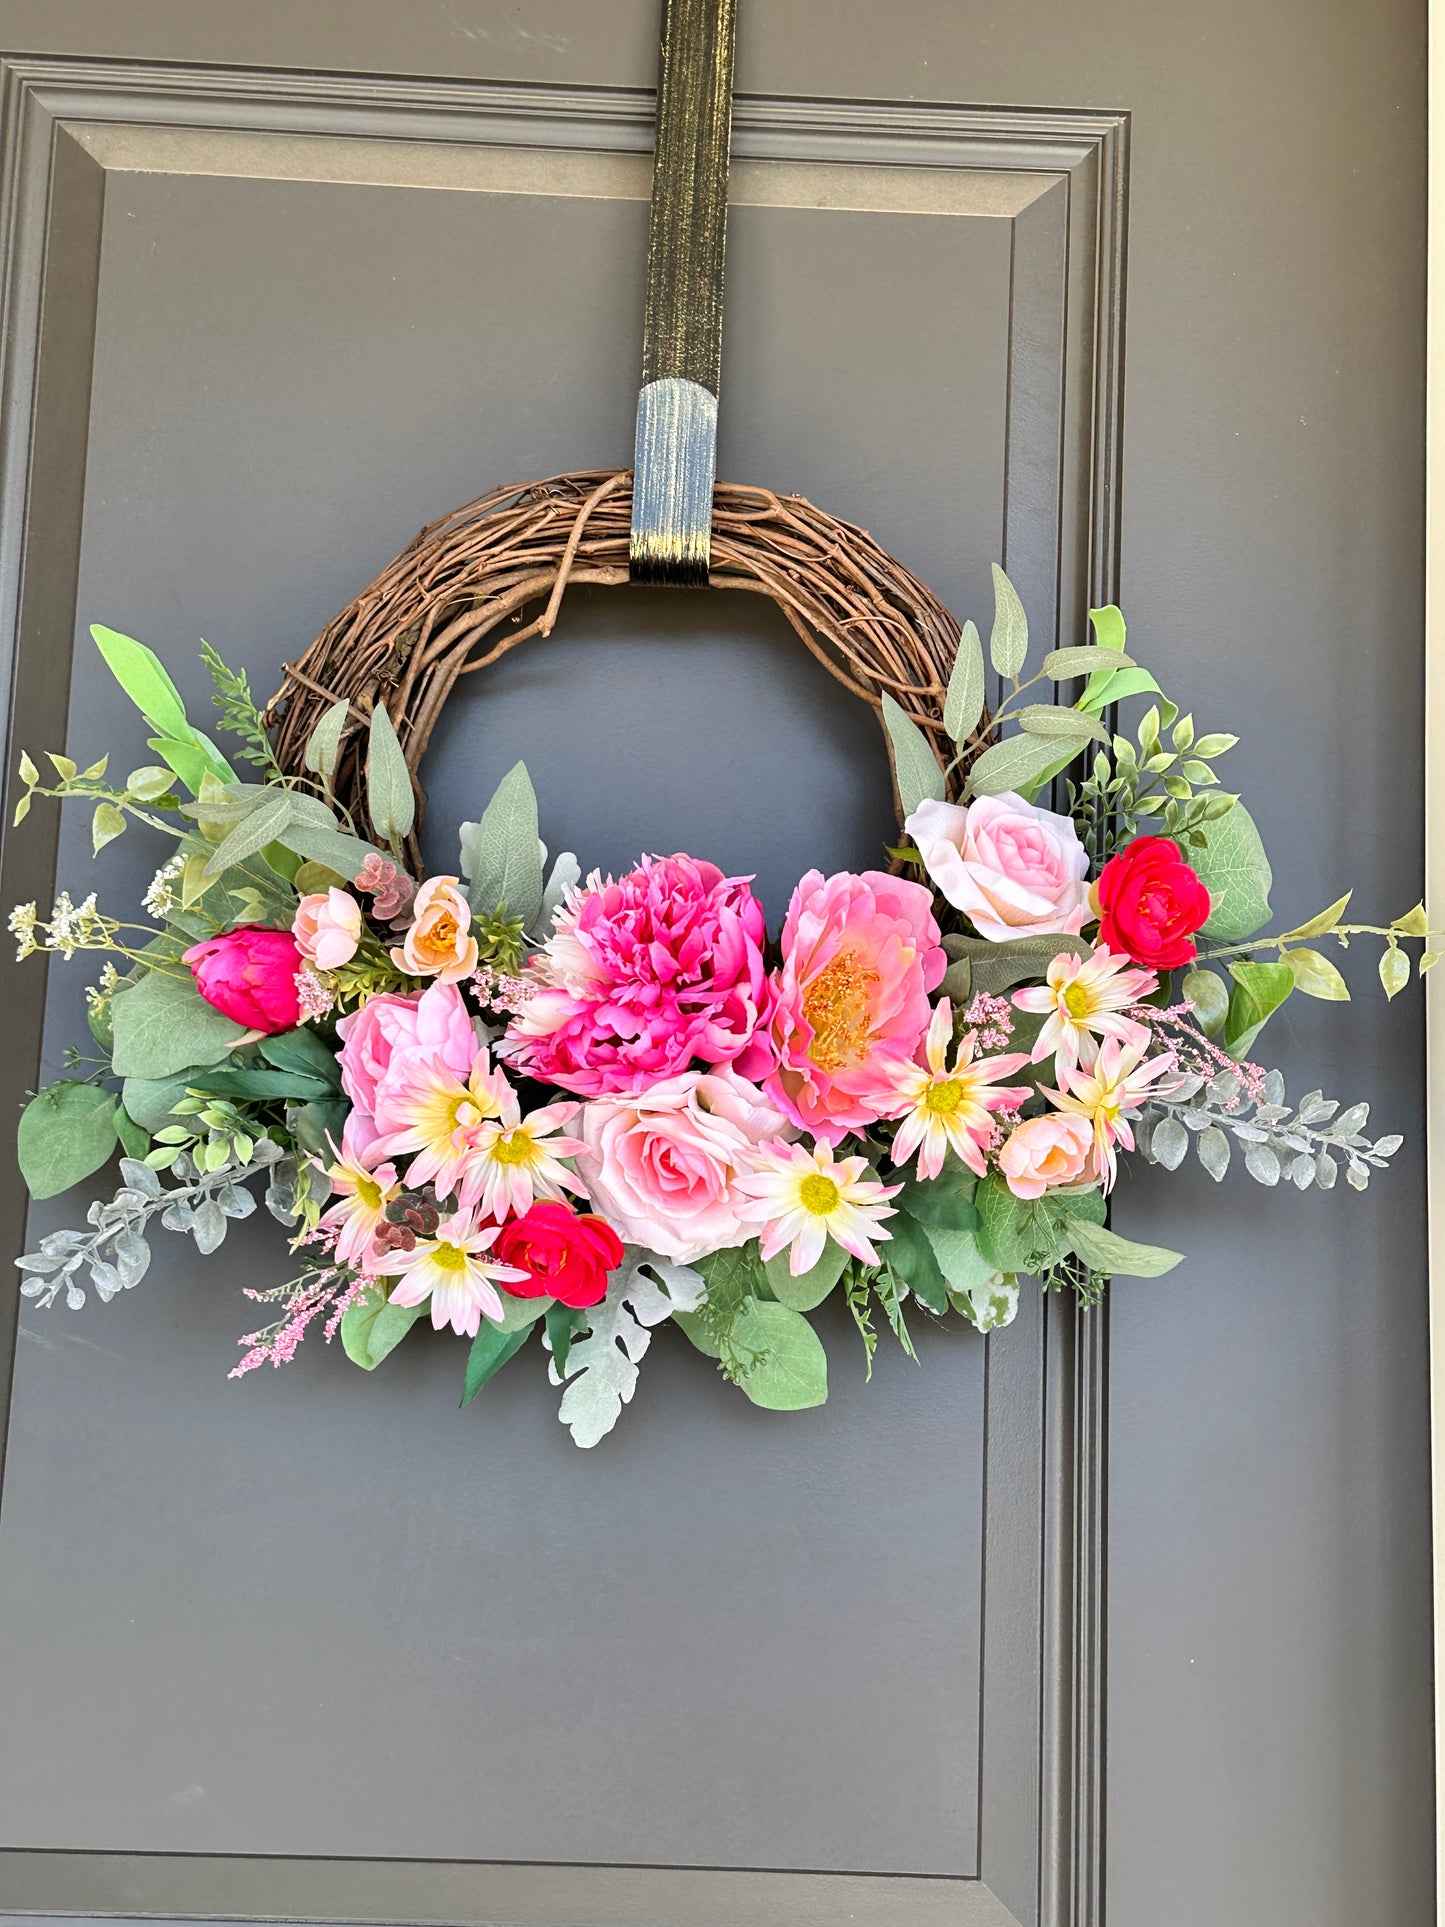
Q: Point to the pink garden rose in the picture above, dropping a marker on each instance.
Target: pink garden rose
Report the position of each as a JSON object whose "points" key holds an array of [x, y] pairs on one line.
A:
{"points": [[663, 1167], [389, 1031], [249, 975], [642, 977], [327, 928], [1044, 1152], [1014, 870], [860, 957]]}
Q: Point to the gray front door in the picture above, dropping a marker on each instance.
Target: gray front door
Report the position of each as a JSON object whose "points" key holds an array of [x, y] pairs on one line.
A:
{"points": [[1125, 1614]]}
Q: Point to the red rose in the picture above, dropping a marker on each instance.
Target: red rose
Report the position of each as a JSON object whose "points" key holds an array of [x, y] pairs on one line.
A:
{"points": [[1150, 904], [565, 1257], [249, 975]]}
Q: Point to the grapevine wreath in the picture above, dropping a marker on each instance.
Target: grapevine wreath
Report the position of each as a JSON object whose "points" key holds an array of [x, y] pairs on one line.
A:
{"points": [[549, 1113]]}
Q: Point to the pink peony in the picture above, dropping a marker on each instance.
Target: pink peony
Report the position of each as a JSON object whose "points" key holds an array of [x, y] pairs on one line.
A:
{"points": [[387, 1034], [860, 956], [249, 975], [1014, 870], [327, 928], [643, 976], [1044, 1152], [663, 1167]]}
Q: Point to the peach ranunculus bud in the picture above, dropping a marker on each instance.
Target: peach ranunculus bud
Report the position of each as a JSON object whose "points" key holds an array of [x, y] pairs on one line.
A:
{"points": [[327, 928], [1043, 1153], [439, 942]]}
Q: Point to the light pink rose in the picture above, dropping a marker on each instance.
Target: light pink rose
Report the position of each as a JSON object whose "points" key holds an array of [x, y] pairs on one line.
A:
{"points": [[439, 941], [327, 928], [1014, 870], [1044, 1152], [860, 956], [662, 1166], [386, 1033]]}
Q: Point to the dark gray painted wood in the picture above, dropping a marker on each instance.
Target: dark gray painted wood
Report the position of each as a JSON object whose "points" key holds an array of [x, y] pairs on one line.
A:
{"points": [[1268, 1738]]}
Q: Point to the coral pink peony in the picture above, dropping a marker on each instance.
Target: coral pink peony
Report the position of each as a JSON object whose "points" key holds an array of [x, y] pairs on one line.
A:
{"points": [[378, 1040], [1044, 1152], [327, 928], [643, 976], [1014, 870], [249, 975], [664, 1166], [860, 956]]}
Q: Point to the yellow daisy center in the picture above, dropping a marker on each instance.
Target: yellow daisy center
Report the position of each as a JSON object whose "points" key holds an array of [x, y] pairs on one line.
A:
{"points": [[838, 1009], [818, 1194], [449, 1257], [369, 1193], [944, 1098], [513, 1147], [1077, 1002]]}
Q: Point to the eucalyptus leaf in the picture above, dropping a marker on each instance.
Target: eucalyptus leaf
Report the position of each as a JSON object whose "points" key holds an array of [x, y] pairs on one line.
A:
{"points": [[1169, 1143], [1104, 1250], [502, 855], [390, 798], [792, 1375], [910, 1257], [963, 703], [162, 1025], [491, 1348], [1234, 869], [1012, 764], [1008, 643], [809, 1288], [996, 967], [323, 745], [66, 1133], [1209, 994], [1212, 1146], [915, 767]]}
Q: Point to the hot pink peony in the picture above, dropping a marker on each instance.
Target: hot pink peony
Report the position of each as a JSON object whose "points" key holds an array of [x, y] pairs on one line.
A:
{"points": [[249, 975], [390, 1032], [642, 977], [664, 1166], [860, 956]]}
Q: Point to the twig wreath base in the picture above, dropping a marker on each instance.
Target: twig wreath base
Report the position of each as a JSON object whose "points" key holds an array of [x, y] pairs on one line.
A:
{"points": [[457, 599]]}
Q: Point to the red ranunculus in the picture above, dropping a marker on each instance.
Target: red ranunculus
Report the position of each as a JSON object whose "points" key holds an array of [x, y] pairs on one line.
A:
{"points": [[565, 1256], [249, 975], [1150, 904]]}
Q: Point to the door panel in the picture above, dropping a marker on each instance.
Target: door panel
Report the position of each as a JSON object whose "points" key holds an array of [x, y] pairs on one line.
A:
{"points": [[925, 334]]}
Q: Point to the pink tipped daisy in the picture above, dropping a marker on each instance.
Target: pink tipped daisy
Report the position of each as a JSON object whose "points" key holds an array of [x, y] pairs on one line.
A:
{"points": [[365, 1187], [515, 1160], [947, 1106], [453, 1272], [432, 1111], [801, 1198], [1085, 999], [1111, 1092]]}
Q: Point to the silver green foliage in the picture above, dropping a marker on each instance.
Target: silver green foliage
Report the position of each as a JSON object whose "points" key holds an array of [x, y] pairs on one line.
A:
{"points": [[601, 1369], [1305, 1145], [114, 1253]]}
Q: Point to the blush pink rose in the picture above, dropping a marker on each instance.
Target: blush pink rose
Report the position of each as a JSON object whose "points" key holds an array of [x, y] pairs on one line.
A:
{"points": [[860, 956], [327, 928], [388, 1032], [663, 1166], [643, 977], [1044, 1152], [249, 975], [1013, 869]]}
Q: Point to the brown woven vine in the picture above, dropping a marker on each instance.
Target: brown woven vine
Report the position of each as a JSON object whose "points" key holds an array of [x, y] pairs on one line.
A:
{"points": [[466, 591]]}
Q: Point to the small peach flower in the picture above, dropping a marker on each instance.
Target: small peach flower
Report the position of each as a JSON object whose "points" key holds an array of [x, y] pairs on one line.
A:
{"points": [[439, 942], [327, 928], [1043, 1153]]}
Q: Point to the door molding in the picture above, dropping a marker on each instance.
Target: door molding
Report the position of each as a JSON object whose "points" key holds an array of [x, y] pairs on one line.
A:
{"points": [[1435, 869], [1060, 178]]}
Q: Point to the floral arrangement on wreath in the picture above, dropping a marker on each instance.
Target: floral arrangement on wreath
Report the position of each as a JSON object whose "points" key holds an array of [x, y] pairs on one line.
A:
{"points": [[519, 1103]]}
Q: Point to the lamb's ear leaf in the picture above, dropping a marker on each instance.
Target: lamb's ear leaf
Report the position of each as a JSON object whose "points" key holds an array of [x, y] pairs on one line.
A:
{"points": [[915, 767], [323, 745], [390, 798], [963, 705], [502, 855], [1008, 642]]}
